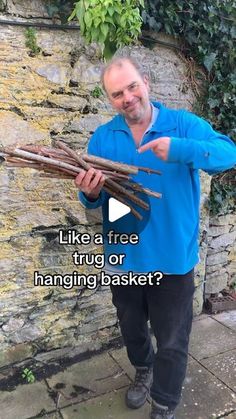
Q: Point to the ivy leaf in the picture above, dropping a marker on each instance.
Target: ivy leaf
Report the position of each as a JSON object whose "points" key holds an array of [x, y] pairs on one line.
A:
{"points": [[213, 103], [52, 9], [233, 32], [209, 60]]}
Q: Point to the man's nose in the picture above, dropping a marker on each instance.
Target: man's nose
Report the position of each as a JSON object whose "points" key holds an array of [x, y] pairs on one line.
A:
{"points": [[127, 96]]}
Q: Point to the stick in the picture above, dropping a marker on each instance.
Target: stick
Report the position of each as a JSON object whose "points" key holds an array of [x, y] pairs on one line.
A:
{"points": [[108, 182], [139, 188], [131, 169], [30, 156], [121, 167], [132, 209], [61, 167]]}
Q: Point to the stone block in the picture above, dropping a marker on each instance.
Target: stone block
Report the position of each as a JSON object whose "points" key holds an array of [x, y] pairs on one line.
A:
{"points": [[223, 240], [27, 8], [12, 325], [223, 220], [28, 333], [198, 300], [70, 103], [213, 269], [16, 353], [217, 258], [56, 73], [87, 123], [14, 130], [216, 282], [215, 231], [86, 72]]}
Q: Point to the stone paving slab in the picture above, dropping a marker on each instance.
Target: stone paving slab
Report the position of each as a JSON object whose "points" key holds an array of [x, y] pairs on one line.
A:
{"points": [[224, 367], [200, 317], [120, 355], [88, 379], [209, 338], [200, 387], [204, 396], [228, 318], [108, 406], [26, 401], [95, 388]]}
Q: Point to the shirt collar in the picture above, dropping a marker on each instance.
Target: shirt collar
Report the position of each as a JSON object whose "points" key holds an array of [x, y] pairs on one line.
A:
{"points": [[162, 120]]}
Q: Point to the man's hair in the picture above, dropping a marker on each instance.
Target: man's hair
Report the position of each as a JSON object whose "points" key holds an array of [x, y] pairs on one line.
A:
{"points": [[118, 62]]}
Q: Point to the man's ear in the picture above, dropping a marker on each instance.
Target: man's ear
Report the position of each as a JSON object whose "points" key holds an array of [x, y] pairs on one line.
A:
{"points": [[146, 80]]}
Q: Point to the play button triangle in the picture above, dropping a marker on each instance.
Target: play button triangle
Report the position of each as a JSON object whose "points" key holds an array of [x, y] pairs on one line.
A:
{"points": [[116, 209]]}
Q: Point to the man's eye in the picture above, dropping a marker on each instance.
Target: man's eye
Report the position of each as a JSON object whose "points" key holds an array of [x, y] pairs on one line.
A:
{"points": [[117, 95], [133, 86]]}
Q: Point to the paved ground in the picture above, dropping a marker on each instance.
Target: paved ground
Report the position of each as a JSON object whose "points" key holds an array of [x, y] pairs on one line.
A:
{"points": [[95, 388]]}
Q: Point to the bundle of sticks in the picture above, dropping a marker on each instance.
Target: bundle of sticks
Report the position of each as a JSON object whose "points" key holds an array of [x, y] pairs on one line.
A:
{"points": [[64, 163]]}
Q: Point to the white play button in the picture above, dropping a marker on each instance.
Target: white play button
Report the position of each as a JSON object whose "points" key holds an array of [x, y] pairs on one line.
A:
{"points": [[116, 209]]}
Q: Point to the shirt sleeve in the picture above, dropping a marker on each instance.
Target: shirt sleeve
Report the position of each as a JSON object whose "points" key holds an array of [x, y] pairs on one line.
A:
{"points": [[201, 147]]}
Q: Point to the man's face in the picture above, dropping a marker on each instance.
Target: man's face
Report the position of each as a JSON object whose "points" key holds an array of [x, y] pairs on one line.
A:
{"points": [[128, 92]]}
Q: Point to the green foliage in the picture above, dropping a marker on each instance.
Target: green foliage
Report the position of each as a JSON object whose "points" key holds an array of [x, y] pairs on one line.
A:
{"points": [[208, 27], [31, 41], [28, 375], [59, 8], [97, 92], [222, 198], [111, 23]]}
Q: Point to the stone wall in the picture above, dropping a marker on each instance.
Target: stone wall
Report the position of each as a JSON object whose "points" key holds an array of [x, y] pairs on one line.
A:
{"points": [[221, 254], [43, 98]]}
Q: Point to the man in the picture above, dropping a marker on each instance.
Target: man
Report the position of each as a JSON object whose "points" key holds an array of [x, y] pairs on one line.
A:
{"points": [[177, 143]]}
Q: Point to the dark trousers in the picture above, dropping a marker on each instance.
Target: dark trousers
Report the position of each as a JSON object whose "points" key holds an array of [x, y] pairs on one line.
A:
{"points": [[169, 308]]}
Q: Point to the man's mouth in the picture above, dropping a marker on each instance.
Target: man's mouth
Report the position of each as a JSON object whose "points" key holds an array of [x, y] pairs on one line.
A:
{"points": [[131, 105]]}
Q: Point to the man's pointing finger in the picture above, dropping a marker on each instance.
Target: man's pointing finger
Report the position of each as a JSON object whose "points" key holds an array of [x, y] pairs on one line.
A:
{"points": [[148, 146]]}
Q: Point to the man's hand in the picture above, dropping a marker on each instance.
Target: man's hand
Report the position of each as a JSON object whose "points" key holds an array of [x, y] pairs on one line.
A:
{"points": [[160, 147], [90, 182]]}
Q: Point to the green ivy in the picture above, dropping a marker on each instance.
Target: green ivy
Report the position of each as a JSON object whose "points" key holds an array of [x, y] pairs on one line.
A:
{"points": [[222, 198], [209, 28], [59, 9]]}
